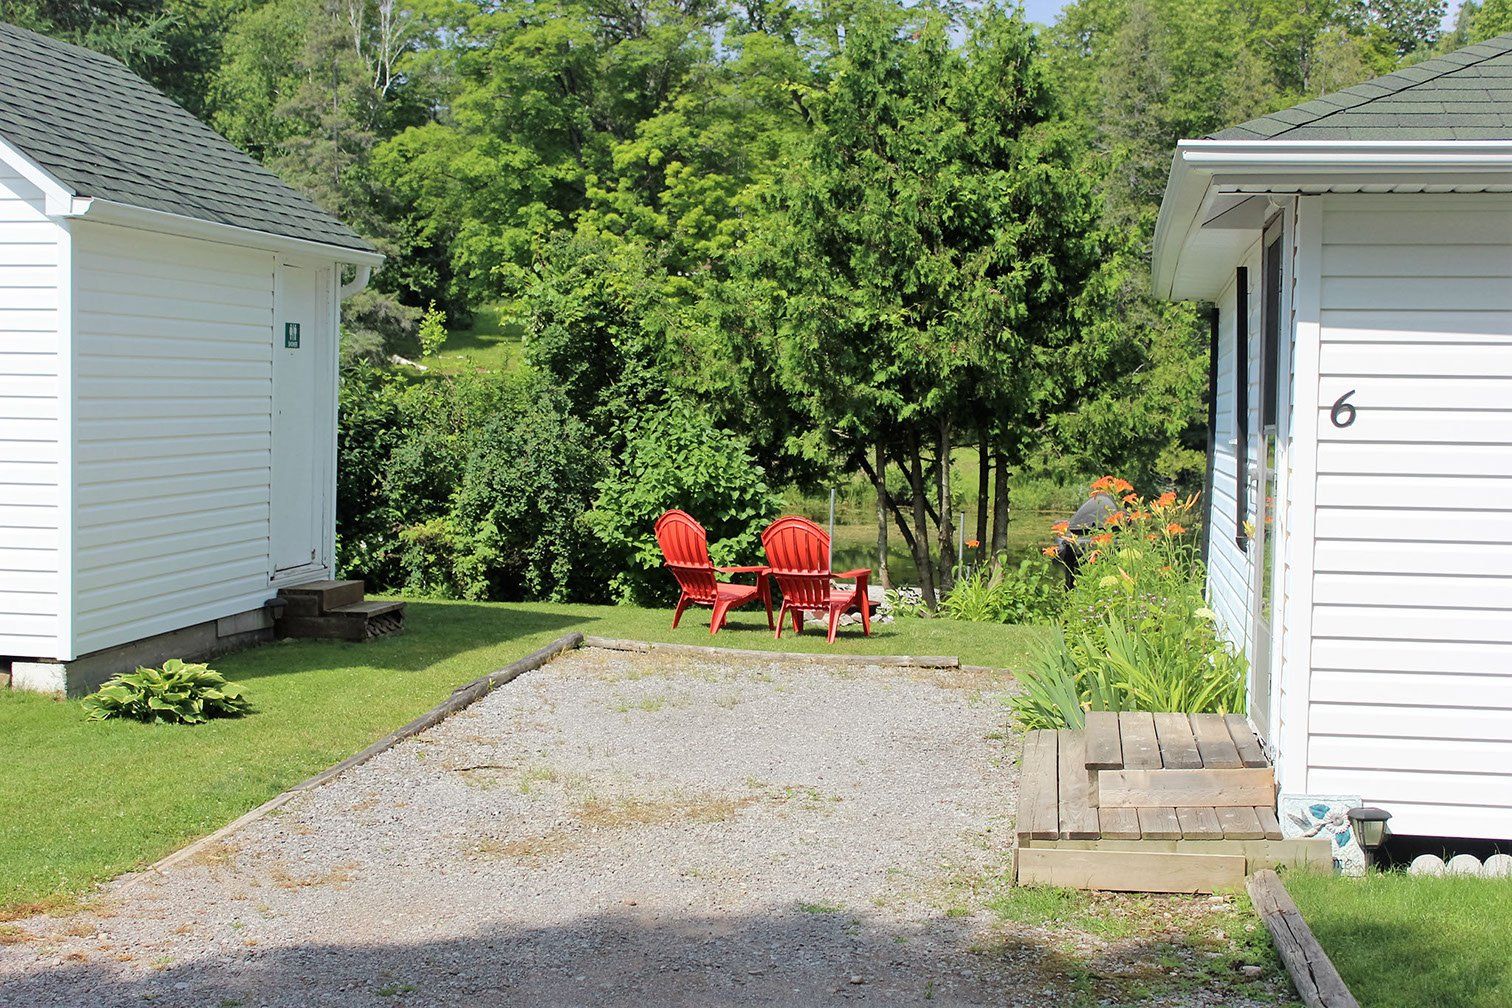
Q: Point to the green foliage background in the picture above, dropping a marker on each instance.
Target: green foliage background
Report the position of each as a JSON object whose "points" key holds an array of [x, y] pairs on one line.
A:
{"points": [[833, 240]]}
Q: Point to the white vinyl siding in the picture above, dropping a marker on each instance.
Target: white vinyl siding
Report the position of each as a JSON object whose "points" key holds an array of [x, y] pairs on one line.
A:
{"points": [[1410, 696], [172, 432], [33, 419], [1228, 565]]}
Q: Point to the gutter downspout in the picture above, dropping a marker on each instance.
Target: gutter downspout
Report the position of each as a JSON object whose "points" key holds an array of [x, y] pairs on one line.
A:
{"points": [[357, 283]]}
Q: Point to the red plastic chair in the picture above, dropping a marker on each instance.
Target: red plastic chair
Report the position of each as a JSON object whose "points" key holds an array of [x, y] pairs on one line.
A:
{"points": [[685, 547], [799, 553]]}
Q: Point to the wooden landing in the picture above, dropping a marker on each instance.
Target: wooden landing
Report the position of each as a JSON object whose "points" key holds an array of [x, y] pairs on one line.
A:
{"points": [[1151, 802]]}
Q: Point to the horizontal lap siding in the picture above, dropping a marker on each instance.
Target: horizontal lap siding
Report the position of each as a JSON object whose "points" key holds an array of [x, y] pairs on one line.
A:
{"points": [[1411, 694], [172, 433], [33, 513], [1228, 578]]}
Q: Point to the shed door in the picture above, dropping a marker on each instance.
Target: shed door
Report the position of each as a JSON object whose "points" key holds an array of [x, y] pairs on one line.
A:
{"points": [[297, 346]]}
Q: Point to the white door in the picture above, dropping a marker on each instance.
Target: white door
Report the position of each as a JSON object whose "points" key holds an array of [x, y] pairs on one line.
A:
{"points": [[298, 503]]}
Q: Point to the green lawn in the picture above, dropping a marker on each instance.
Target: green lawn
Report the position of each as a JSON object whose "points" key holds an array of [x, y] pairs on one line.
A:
{"points": [[1413, 942], [83, 802], [490, 344]]}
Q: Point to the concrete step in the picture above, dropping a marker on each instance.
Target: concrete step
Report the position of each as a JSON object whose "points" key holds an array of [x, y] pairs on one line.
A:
{"points": [[316, 598]]}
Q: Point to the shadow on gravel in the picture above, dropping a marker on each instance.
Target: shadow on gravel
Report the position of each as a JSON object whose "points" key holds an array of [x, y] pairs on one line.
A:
{"points": [[794, 956]]}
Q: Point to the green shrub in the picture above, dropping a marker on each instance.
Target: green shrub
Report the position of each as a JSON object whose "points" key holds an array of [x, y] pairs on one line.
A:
{"points": [[1030, 594], [432, 331], [178, 693], [677, 458], [1136, 632]]}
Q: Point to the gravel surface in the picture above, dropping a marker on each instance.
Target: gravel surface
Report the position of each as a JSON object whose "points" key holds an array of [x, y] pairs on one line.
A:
{"points": [[635, 829]]}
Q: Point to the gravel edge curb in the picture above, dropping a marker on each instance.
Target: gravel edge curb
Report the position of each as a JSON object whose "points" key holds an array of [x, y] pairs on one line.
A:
{"points": [[461, 697], [886, 661]]}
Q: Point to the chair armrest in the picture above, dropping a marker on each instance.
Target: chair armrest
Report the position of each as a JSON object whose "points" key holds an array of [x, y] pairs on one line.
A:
{"points": [[756, 569], [854, 575]]}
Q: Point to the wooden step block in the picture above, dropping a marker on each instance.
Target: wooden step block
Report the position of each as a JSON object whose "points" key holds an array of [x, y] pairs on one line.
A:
{"points": [[316, 598], [1215, 745], [1240, 824], [1104, 749], [1251, 753], [1039, 795], [1189, 788], [1129, 871], [1078, 819], [1141, 750], [358, 622], [1178, 747]]}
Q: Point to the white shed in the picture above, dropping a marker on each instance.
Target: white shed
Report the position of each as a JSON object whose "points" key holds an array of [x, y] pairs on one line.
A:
{"points": [[1358, 252], [168, 348]]}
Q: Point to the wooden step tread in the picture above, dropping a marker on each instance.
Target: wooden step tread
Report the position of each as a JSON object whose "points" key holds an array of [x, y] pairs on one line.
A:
{"points": [[1136, 740], [316, 598], [366, 609]]}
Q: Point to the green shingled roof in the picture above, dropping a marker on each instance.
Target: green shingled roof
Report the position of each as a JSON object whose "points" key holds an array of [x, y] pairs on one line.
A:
{"points": [[1465, 95], [105, 133]]}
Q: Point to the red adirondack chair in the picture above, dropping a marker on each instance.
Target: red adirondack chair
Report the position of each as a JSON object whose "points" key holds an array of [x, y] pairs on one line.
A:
{"points": [[685, 547], [799, 553]]}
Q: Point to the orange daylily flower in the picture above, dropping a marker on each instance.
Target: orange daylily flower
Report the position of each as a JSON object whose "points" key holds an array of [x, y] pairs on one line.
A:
{"points": [[1051, 551], [1175, 529], [1103, 538], [1151, 537], [972, 544], [1131, 498], [1115, 518], [1166, 499], [1060, 527]]}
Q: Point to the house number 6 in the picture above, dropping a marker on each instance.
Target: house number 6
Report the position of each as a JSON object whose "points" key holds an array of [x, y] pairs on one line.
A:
{"points": [[1343, 412]]}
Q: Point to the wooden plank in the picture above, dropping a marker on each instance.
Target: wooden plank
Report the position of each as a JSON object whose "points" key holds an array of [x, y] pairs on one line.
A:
{"points": [[1078, 819], [1119, 823], [1250, 752], [1141, 751], [1159, 824], [1215, 745], [1199, 824], [1269, 824], [1216, 788], [1312, 973], [1129, 871], [1240, 824], [1104, 747], [1038, 791], [1178, 747]]}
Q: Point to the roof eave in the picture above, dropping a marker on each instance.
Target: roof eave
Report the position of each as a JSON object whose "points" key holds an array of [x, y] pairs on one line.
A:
{"points": [[163, 222], [1202, 168]]}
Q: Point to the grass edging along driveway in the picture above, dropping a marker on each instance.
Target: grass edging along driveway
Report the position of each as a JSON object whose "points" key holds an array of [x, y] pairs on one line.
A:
{"points": [[83, 801], [1413, 941]]}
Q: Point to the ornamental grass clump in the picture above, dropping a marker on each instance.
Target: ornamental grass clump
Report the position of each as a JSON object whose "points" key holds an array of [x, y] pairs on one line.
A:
{"points": [[1135, 632], [178, 693]]}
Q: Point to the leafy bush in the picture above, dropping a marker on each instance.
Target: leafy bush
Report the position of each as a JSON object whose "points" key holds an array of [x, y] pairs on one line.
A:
{"points": [[1136, 633], [1030, 594], [432, 331], [677, 458], [178, 693]]}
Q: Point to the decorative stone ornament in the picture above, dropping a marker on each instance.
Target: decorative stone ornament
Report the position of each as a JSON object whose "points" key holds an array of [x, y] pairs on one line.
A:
{"points": [[1325, 816], [1464, 864], [1497, 866], [1427, 864]]}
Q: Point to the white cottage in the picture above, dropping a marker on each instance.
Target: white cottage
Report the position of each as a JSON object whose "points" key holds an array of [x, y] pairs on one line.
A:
{"points": [[1357, 250], [168, 339]]}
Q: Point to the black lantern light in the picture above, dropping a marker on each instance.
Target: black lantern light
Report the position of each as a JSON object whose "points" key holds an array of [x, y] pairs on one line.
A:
{"points": [[1369, 828]]}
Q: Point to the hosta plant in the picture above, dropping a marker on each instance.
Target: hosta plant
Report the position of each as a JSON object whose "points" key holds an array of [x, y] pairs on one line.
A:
{"points": [[178, 693]]}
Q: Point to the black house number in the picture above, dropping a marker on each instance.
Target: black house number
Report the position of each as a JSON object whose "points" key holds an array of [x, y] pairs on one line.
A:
{"points": [[1343, 412]]}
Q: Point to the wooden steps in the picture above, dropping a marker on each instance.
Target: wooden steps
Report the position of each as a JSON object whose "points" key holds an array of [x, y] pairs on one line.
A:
{"points": [[1166, 787], [336, 610]]}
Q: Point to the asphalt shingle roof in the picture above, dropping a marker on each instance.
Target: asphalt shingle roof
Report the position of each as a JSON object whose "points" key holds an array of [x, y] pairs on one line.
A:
{"points": [[106, 133], [1464, 95]]}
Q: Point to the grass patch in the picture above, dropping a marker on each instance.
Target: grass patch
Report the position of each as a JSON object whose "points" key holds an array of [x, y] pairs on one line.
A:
{"points": [[85, 801], [1412, 941], [490, 345]]}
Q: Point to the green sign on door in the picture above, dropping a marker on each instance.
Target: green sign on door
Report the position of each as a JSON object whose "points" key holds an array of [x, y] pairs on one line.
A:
{"points": [[291, 335]]}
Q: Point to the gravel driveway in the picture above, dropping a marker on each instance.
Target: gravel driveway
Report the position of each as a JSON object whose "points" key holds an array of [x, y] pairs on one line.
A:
{"points": [[622, 829]]}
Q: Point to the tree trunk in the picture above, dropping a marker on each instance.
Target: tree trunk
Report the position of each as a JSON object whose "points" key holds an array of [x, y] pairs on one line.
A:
{"points": [[922, 552], [879, 480], [1000, 510], [984, 474], [945, 572]]}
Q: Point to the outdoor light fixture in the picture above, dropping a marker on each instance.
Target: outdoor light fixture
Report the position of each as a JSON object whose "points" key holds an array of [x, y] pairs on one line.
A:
{"points": [[1369, 828]]}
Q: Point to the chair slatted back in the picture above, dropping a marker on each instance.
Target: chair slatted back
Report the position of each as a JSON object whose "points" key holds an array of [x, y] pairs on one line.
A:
{"points": [[685, 548], [798, 552]]}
